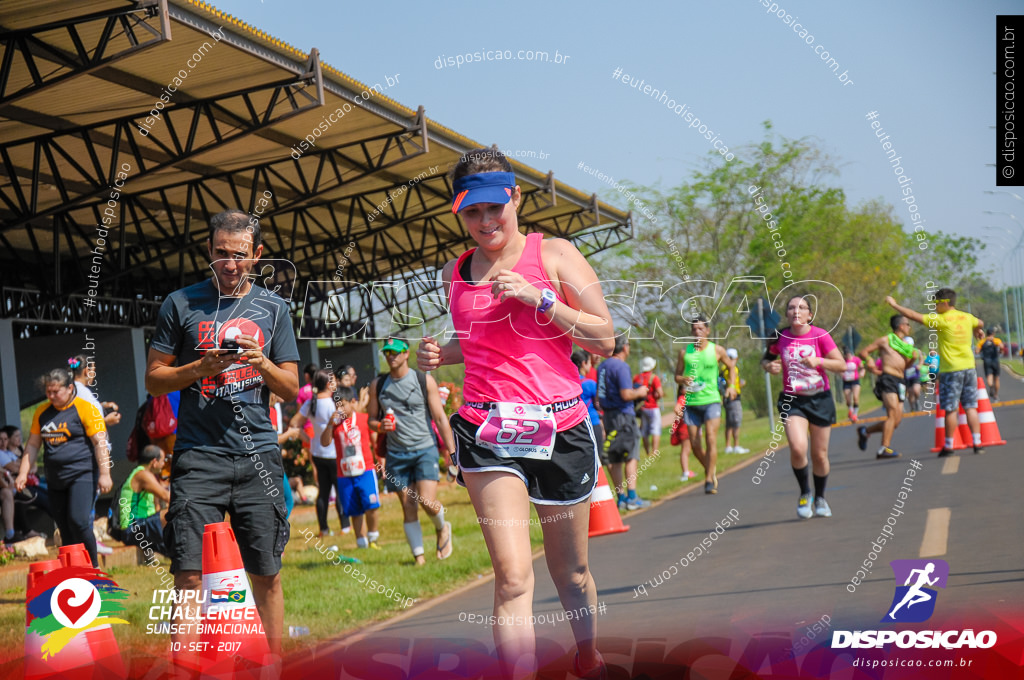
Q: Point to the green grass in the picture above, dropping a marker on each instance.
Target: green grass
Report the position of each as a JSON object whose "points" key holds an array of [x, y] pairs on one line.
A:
{"points": [[329, 601]]}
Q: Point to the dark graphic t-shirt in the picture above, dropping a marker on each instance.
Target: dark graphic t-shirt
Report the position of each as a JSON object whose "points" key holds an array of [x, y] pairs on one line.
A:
{"points": [[67, 437], [228, 412]]}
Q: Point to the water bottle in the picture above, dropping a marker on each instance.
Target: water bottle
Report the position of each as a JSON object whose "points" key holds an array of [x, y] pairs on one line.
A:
{"points": [[389, 417], [297, 631]]}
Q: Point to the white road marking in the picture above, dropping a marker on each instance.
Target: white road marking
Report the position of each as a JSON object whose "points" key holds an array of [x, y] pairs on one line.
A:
{"points": [[936, 533]]}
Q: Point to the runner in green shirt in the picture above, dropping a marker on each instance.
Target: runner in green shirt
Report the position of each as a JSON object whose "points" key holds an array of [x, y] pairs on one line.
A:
{"points": [[697, 372]]}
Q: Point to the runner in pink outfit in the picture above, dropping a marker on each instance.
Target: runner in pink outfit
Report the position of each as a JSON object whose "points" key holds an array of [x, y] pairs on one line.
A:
{"points": [[518, 304]]}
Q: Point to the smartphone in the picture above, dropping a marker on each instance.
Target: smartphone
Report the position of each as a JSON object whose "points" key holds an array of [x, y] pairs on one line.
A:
{"points": [[231, 346]]}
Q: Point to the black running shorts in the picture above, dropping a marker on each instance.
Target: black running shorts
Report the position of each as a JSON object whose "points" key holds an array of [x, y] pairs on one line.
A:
{"points": [[890, 384], [818, 409], [568, 478]]}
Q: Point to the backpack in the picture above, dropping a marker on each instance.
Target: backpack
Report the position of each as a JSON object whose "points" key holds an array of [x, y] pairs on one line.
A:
{"points": [[115, 512], [382, 437], [989, 350], [159, 419], [138, 439]]}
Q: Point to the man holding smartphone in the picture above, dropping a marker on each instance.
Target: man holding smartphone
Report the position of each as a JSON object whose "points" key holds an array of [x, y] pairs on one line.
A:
{"points": [[226, 343]]}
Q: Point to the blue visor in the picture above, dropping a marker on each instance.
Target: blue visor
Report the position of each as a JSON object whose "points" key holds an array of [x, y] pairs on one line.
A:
{"points": [[483, 187]]}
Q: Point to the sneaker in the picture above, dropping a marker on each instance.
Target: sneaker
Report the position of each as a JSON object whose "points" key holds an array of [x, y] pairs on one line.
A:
{"points": [[853, 416], [946, 452], [821, 508], [599, 672], [637, 503], [685, 478], [979, 450], [324, 534], [729, 449], [740, 449], [622, 503], [862, 438], [886, 452], [103, 549], [804, 506], [346, 530], [711, 487], [374, 546]]}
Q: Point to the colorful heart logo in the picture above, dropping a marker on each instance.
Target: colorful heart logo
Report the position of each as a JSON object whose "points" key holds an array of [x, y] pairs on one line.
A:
{"points": [[73, 612]]}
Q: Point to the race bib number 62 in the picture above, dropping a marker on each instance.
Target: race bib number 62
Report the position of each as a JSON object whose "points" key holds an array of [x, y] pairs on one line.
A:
{"points": [[514, 430]]}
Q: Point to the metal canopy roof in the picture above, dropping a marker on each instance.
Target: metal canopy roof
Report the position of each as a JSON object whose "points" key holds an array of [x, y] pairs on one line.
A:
{"points": [[78, 84]]}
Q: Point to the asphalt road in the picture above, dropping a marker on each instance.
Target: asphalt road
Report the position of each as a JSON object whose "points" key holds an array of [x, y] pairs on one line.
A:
{"points": [[770, 576]]}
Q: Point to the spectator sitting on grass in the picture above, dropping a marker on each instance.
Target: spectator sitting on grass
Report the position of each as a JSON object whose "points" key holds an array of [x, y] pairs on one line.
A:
{"points": [[141, 521]]}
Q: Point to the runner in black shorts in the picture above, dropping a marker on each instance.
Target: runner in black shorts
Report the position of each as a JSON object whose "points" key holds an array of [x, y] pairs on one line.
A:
{"points": [[226, 343], [890, 386], [802, 353], [523, 434], [990, 349]]}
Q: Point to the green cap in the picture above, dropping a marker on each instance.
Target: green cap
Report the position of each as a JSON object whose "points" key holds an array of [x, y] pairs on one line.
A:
{"points": [[395, 345]]}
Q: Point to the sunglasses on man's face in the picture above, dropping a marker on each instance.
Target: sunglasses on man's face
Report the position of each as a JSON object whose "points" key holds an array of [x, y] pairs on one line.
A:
{"points": [[391, 353]]}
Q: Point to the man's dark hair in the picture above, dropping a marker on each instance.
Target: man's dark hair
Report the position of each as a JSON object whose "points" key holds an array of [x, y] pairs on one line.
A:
{"points": [[895, 320], [149, 453], [10, 429], [234, 221], [990, 331], [620, 343], [946, 294], [698, 318], [344, 393]]}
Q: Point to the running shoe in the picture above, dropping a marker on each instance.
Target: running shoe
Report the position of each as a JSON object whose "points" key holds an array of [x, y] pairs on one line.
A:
{"points": [[886, 452], [853, 416], [599, 672], [637, 503], [740, 449], [821, 508], [374, 546], [103, 549], [711, 486], [979, 450], [804, 506], [690, 474], [862, 438], [622, 503], [729, 449], [946, 451]]}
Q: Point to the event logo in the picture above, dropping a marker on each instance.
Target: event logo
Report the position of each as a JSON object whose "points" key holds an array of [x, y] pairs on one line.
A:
{"points": [[914, 601], [72, 600]]}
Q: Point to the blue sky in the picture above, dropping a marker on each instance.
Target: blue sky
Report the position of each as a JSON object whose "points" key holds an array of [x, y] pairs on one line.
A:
{"points": [[925, 67]]}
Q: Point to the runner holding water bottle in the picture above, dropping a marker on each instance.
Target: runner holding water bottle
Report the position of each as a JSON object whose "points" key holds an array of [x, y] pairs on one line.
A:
{"points": [[518, 303]]}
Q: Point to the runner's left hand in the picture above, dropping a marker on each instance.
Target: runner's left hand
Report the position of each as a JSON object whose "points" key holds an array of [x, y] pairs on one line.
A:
{"points": [[106, 484], [252, 355]]}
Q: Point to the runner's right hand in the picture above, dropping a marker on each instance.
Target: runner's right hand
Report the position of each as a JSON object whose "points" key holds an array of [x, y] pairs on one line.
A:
{"points": [[428, 354], [774, 367]]}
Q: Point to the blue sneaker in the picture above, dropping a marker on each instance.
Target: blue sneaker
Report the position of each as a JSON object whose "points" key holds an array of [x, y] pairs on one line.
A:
{"points": [[821, 508], [804, 506], [637, 503], [622, 503]]}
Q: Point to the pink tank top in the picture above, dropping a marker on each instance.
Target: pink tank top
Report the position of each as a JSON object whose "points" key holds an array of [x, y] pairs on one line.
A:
{"points": [[511, 352]]}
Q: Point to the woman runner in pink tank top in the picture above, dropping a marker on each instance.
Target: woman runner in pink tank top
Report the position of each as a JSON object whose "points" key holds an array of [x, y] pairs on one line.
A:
{"points": [[518, 304]]}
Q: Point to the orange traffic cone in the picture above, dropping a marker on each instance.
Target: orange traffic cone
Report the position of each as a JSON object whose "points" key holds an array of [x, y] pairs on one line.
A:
{"points": [[604, 512], [232, 632], [986, 416], [74, 661], [940, 432], [102, 644]]}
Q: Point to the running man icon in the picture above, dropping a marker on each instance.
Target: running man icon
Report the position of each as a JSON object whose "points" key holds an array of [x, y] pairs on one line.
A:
{"points": [[916, 576]]}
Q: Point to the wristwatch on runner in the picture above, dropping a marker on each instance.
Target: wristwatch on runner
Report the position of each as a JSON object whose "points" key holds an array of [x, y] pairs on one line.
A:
{"points": [[547, 299]]}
